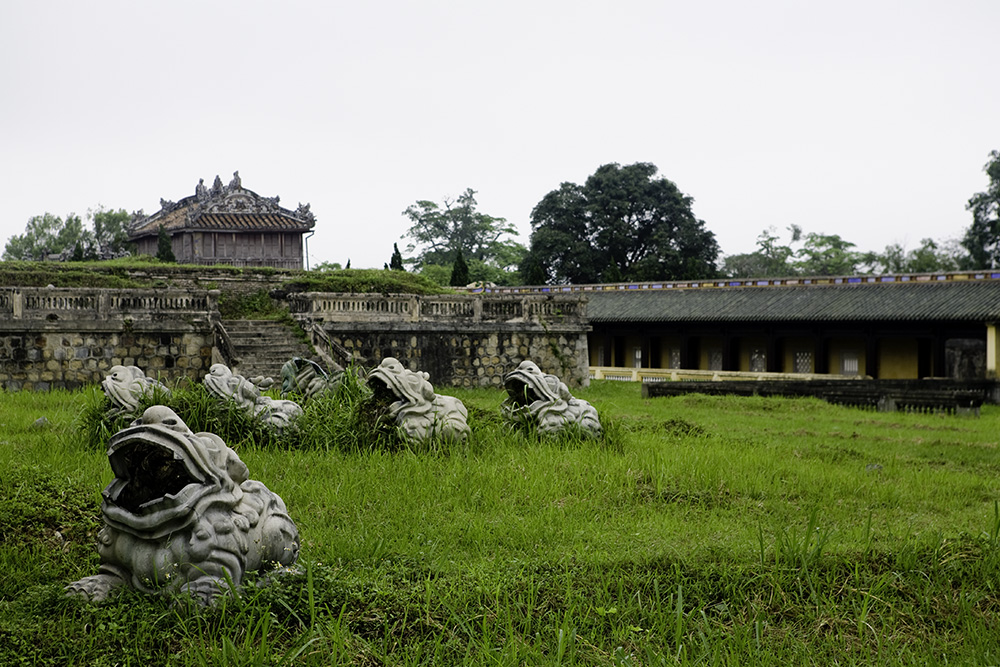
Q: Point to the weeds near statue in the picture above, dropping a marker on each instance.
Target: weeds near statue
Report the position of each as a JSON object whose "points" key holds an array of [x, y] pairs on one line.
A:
{"points": [[182, 515], [222, 383], [307, 378]]}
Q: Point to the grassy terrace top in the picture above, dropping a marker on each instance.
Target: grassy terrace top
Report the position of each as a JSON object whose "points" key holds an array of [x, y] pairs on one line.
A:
{"points": [[145, 273], [702, 531]]}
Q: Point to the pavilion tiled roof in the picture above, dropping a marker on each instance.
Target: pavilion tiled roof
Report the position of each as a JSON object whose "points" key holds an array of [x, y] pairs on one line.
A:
{"points": [[223, 208], [967, 300]]}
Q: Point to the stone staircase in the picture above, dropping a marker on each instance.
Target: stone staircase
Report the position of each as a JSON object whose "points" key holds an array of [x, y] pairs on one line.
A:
{"points": [[263, 346]]}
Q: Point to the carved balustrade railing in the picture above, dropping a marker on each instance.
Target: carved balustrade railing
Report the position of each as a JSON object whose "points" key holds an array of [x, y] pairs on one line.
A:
{"points": [[569, 309], [60, 303]]}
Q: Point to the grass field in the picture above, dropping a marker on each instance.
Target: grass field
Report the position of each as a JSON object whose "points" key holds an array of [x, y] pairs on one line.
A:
{"points": [[702, 530]]}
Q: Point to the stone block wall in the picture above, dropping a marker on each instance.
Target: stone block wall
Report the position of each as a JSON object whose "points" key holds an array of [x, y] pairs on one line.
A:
{"points": [[65, 338], [69, 360], [469, 340], [69, 337], [470, 358]]}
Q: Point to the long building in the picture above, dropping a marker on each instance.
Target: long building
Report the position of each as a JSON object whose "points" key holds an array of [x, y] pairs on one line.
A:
{"points": [[883, 327]]}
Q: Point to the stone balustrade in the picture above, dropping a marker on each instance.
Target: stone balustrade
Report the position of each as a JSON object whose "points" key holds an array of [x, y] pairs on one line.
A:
{"points": [[68, 337], [51, 304], [555, 309]]}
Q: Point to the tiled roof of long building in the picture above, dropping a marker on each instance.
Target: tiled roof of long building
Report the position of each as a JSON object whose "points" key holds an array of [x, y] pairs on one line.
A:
{"points": [[973, 300]]}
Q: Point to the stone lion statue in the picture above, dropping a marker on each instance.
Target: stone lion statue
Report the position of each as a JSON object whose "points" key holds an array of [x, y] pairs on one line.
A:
{"points": [[126, 386], [542, 400], [222, 383], [182, 516], [419, 413]]}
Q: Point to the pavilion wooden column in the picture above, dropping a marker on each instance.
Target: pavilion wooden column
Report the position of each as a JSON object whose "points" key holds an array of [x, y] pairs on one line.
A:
{"points": [[992, 350]]}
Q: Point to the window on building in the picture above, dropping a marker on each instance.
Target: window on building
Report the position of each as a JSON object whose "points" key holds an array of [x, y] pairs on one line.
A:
{"points": [[803, 361], [849, 363], [674, 358], [637, 357], [758, 360]]}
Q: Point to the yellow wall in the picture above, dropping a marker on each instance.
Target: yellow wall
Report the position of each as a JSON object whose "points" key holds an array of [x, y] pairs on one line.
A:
{"points": [[838, 346], [898, 359], [666, 345], [992, 349]]}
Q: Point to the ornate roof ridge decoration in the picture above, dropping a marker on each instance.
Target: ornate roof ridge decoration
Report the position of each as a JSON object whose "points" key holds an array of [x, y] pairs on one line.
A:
{"points": [[231, 198]]}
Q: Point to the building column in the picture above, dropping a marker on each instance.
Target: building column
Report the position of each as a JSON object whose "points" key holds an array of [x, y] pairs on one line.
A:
{"points": [[821, 358], [992, 349], [871, 355]]}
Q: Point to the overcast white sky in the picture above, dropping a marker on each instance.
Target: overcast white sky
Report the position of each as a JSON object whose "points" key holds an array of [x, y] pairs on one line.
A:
{"points": [[870, 119]]}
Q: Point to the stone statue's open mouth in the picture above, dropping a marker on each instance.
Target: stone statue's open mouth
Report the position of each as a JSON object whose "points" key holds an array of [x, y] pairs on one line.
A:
{"points": [[382, 388], [520, 391], [152, 471]]}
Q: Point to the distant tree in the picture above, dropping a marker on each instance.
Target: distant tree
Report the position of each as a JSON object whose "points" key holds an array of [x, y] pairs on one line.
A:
{"points": [[929, 257], [111, 229], [623, 223], [532, 271], [438, 233], [49, 235], [459, 271], [769, 261], [396, 263], [982, 239], [328, 266], [164, 251], [437, 273], [827, 255]]}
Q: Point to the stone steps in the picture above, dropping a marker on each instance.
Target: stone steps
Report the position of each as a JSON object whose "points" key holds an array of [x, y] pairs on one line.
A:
{"points": [[263, 346]]}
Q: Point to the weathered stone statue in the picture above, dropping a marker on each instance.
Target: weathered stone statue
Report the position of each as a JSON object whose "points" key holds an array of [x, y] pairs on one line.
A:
{"points": [[419, 413], [182, 515], [222, 383], [542, 400], [126, 386], [306, 377]]}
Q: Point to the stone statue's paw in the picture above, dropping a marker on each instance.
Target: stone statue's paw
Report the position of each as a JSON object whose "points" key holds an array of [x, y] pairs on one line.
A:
{"points": [[94, 588], [205, 590]]}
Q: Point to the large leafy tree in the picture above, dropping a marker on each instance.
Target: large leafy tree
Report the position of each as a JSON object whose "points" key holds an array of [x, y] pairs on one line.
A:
{"points": [[982, 239], [439, 231], [49, 234], [623, 223]]}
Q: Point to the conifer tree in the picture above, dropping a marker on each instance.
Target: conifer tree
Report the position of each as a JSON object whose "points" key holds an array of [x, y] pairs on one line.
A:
{"points": [[396, 263], [164, 252], [459, 271]]}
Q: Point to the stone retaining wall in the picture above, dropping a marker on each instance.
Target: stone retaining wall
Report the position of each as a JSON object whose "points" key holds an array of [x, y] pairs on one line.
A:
{"points": [[459, 340], [65, 338]]}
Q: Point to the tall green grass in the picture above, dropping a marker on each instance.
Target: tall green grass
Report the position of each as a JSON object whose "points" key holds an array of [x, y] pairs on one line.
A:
{"points": [[702, 530]]}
